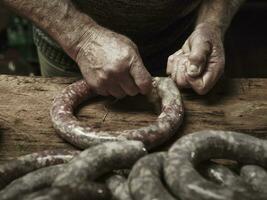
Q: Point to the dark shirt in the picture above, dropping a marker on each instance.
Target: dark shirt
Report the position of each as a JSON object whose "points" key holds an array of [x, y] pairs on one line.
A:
{"points": [[152, 24], [158, 27]]}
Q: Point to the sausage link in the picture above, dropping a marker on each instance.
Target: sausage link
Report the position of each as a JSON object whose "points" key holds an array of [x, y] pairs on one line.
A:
{"points": [[81, 136], [185, 182], [28, 163], [99, 160], [83, 191], [256, 176], [145, 179], [118, 187], [31, 182]]}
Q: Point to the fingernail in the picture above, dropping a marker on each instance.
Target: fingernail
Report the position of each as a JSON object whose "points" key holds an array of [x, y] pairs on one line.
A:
{"points": [[193, 70]]}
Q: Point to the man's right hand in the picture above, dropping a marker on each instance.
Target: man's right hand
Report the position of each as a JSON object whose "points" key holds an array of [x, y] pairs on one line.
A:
{"points": [[111, 64]]}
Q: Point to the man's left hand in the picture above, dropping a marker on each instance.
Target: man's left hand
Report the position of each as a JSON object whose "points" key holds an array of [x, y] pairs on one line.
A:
{"points": [[200, 62]]}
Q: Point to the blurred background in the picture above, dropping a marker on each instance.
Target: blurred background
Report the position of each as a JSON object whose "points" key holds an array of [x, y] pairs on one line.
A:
{"points": [[17, 51], [245, 43]]}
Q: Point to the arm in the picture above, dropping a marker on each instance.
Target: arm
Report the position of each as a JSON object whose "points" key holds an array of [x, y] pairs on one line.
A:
{"points": [[200, 62], [218, 12], [59, 18], [109, 62]]}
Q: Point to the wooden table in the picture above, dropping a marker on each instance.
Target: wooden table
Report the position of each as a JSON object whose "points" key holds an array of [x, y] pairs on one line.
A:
{"points": [[25, 126]]}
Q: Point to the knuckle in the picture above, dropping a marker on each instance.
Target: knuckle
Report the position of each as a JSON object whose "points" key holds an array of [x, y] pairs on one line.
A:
{"points": [[180, 83], [171, 58], [115, 69], [207, 44], [127, 52], [142, 84], [201, 91], [131, 44], [198, 58], [138, 63], [103, 77], [102, 80], [145, 85], [122, 68], [109, 71], [92, 84]]}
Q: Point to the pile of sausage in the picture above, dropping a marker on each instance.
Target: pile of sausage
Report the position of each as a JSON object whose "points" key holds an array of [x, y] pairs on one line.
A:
{"points": [[175, 175], [123, 170], [67, 175], [115, 165]]}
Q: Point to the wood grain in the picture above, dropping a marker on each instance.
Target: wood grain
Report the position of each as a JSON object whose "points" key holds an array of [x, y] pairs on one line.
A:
{"points": [[25, 126]]}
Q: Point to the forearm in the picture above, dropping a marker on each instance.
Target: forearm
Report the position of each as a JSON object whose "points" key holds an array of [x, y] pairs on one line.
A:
{"points": [[59, 18], [218, 12]]}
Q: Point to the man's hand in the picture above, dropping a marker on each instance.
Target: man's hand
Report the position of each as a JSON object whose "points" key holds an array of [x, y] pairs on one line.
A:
{"points": [[200, 62], [111, 64]]}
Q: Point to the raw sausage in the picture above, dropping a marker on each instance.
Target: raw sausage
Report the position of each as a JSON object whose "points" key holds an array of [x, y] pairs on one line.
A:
{"points": [[81, 136]]}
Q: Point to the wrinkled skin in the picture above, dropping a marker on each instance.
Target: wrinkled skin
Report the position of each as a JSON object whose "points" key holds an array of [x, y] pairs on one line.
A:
{"points": [[200, 62], [111, 64]]}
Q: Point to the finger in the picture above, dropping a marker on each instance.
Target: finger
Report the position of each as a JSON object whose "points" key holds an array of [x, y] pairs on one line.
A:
{"points": [[116, 91], [174, 70], [200, 50], [105, 85], [90, 78], [181, 80], [96, 84], [101, 80], [141, 76], [205, 83], [185, 47], [128, 85], [101, 91], [170, 65], [177, 57]]}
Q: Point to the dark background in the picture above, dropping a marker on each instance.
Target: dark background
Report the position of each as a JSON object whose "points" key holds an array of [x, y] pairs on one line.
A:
{"points": [[245, 43]]}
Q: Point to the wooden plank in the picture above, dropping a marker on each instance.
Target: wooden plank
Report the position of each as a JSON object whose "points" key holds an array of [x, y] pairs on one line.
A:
{"points": [[237, 104]]}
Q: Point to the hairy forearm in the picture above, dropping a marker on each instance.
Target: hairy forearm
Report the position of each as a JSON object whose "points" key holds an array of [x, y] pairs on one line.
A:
{"points": [[59, 18], [218, 12]]}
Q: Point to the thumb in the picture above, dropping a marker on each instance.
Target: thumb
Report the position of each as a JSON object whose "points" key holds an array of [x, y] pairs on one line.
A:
{"points": [[141, 76], [200, 50]]}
